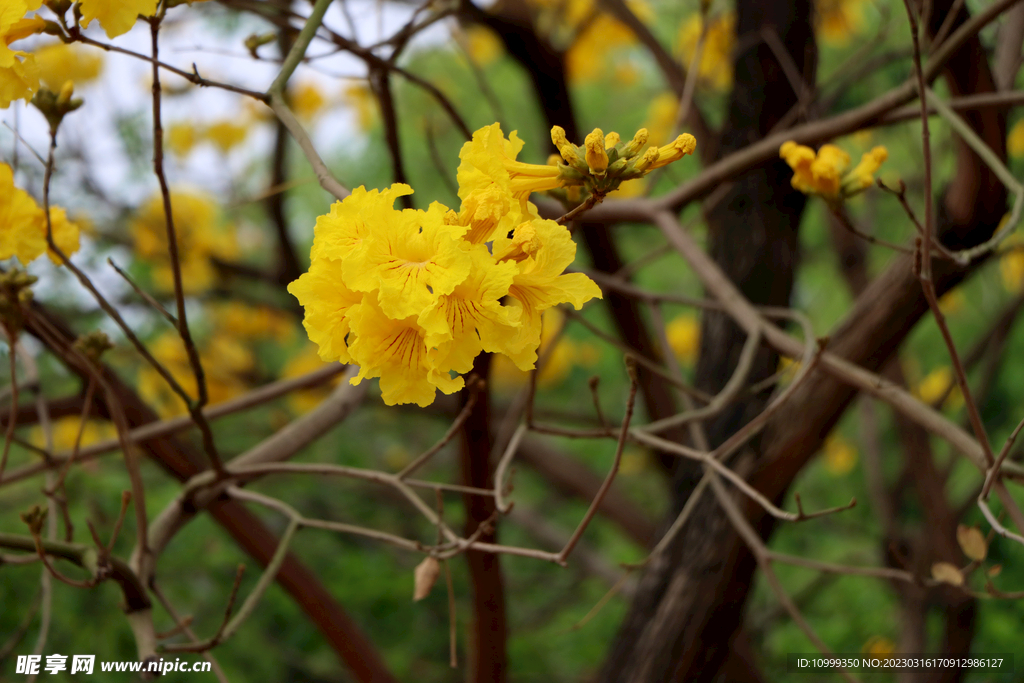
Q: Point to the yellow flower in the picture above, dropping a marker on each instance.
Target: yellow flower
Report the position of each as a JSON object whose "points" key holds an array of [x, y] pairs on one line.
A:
{"points": [[344, 229], [953, 302], [65, 433], [199, 239], [471, 318], [181, 137], [558, 362], [396, 351], [307, 101], [226, 135], [116, 16], [60, 62], [863, 174], [824, 173], [1011, 267], [715, 69], [879, 646], [541, 282], [683, 334], [23, 225], [588, 56], [328, 303], [412, 258], [360, 98], [489, 164], [935, 385], [19, 73], [482, 45], [225, 364], [242, 321], [1015, 140], [840, 455], [661, 117], [838, 20]]}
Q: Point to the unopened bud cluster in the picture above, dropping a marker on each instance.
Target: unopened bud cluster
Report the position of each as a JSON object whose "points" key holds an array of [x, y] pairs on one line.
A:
{"points": [[605, 161]]}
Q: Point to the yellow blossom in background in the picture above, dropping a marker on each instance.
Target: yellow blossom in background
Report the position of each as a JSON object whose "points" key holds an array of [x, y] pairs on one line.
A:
{"points": [[226, 135], [626, 73], [199, 234], [116, 16], [588, 57], [559, 359], [181, 137], [225, 364], [634, 461], [715, 70], [19, 73], [306, 361], [243, 321], [60, 62], [840, 455], [482, 45], [1011, 266], [839, 20], [661, 117], [359, 97], [307, 101], [23, 225], [65, 432], [1015, 140], [879, 646], [953, 302], [824, 172], [935, 385], [683, 334]]}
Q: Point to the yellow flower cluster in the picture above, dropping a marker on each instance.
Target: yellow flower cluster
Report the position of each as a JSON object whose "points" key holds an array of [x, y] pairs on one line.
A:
{"points": [[825, 172], [413, 296], [199, 237], [23, 225], [19, 73], [839, 20], [715, 68], [225, 135]]}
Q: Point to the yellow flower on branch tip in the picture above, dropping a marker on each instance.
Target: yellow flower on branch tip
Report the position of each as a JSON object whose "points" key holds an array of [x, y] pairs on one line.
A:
{"points": [[396, 351], [307, 101], [412, 258], [541, 283], [328, 304], [674, 151], [60, 62], [936, 384], [825, 173], [489, 161], [1011, 268], [116, 16]]}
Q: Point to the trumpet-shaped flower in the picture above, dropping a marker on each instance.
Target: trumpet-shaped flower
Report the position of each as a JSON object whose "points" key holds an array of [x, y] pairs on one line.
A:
{"points": [[350, 221], [863, 174], [396, 351], [472, 319], [412, 258], [116, 16], [541, 282], [489, 162], [328, 302]]}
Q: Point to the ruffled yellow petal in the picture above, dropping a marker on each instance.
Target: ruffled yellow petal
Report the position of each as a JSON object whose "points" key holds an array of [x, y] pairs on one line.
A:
{"points": [[395, 351], [412, 257], [351, 220], [116, 16], [328, 303]]}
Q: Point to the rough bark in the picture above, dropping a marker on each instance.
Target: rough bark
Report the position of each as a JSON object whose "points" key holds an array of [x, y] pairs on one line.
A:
{"points": [[674, 631]]}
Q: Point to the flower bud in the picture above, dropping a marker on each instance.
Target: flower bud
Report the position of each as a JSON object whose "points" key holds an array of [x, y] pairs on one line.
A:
{"points": [[634, 146], [597, 157]]}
